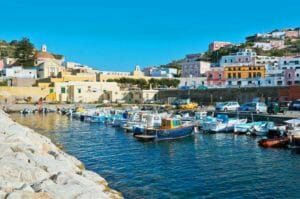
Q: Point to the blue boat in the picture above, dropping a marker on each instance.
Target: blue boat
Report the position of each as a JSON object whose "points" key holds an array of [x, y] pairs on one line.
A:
{"points": [[170, 129]]}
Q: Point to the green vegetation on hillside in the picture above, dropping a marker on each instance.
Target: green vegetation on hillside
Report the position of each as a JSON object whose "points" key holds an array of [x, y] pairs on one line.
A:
{"points": [[143, 84], [23, 50]]}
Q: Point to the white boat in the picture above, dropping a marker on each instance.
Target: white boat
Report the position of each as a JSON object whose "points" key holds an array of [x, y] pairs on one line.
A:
{"points": [[261, 128], [151, 121], [294, 132], [224, 126]]}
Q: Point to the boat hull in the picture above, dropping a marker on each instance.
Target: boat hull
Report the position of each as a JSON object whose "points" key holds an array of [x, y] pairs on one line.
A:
{"points": [[165, 134], [275, 142]]}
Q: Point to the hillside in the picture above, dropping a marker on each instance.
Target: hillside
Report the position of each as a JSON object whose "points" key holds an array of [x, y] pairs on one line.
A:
{"points": [[23, 50]]}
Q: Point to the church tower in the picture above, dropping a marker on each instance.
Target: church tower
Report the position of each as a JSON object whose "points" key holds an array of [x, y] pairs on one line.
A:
{"points": [[44, 48]]}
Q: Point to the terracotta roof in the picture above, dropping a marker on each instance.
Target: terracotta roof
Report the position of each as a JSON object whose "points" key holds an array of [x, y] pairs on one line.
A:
{"points": [[43, 55]]}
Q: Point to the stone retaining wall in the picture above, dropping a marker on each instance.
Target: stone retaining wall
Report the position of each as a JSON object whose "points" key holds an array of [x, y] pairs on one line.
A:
{"points": [[210, 96]]}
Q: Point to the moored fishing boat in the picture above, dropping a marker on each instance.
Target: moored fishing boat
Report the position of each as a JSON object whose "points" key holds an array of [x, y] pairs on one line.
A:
{"points": [[279, 142], [261, 128], [170, 129], [242, 128], [294, 132], [151, 121], [224, 124]]}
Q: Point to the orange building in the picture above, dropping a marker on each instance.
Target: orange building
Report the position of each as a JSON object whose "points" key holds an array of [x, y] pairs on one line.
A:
{"points": [[244, 72]]}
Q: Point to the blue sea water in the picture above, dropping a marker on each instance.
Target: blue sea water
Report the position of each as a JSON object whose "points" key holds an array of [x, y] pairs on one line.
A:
{"points": [[200, 166]]}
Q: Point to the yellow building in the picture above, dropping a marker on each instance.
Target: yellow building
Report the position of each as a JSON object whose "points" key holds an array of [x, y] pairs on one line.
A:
{"points": [[67, 76], [87, 92], [244, 72]]}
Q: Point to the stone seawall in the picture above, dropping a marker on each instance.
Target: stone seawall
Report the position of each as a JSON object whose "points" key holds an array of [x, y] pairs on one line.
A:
{"points": [[210, 96], [31, 166]]}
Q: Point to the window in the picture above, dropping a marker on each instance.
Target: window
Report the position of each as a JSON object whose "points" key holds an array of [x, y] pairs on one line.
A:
{"points": [[239, 75], [63, 90], [234, 75], [258, 74], [79, 90], [51, 90], [289, 75], [249, 75], [229, 75]]}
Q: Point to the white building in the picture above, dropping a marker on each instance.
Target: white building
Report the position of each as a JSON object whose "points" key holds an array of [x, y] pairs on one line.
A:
{"points": [[278, 34], [244, 57], [289, 63], [262, 45], [117, 73], [49, 69], [192, 82], [164, 72], [193, 67], [20, 72]]}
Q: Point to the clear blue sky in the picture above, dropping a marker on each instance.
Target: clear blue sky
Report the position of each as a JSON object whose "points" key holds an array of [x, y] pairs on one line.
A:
{"points": [[118, 34]]}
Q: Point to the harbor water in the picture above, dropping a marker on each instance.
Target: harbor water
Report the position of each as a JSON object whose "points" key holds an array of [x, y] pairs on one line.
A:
{"points": [[199, 166]]}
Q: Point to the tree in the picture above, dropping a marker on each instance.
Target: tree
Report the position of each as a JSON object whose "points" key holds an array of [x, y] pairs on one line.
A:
{"points": [[24, 52]]}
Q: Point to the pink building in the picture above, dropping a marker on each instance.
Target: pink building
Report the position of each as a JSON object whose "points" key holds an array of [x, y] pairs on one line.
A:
{"points": [[289, 76], [216, 45], [216, 77], [277, 44], [1, 64], [292, 34]]}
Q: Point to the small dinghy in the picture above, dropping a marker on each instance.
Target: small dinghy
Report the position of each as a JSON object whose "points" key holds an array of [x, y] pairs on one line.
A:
{"points": [[280, 142]]}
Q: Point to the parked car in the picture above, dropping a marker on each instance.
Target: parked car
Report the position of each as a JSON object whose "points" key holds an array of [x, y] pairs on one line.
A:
{"points": [[273, 108], [295, 105], [178, 102], [284, 106], [149, 101], [191, 105], [254, 107], [227, 106]]}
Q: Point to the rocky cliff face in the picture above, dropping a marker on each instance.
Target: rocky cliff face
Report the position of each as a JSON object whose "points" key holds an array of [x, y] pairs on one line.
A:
{"points": [[31, 166]]}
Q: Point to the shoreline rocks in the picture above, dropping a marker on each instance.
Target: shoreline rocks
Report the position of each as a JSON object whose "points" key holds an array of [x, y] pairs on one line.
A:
{"points": [[31, 166]]}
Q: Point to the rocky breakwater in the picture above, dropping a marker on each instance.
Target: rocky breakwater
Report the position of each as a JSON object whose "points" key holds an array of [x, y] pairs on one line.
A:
{"points": [[31, 166]]}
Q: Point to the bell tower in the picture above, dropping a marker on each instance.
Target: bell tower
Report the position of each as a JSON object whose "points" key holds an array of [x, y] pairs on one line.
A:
{"points": [[44, 48]]}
